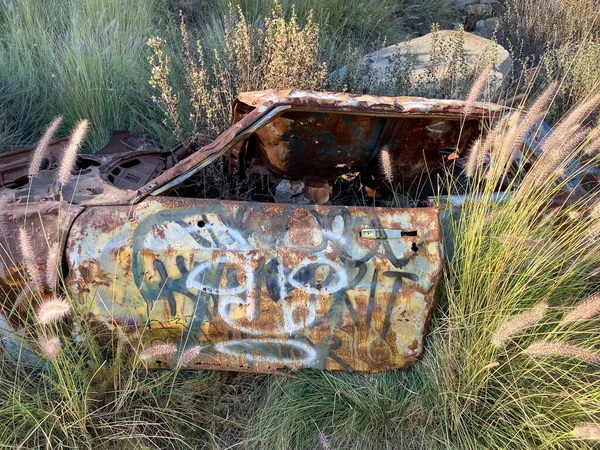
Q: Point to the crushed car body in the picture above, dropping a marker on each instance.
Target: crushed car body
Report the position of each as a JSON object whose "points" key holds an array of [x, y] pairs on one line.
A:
{"points": [[253, 286]]}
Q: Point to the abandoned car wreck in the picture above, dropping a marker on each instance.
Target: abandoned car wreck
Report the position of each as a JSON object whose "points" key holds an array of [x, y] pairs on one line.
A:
{"points": [[247, 285]]}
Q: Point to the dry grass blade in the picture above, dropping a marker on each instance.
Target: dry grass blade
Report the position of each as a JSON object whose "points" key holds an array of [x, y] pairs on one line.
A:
{"points": [[42, 146], [518, 324], [558, 349], [53, 310], [70, 152], [585, 310]]}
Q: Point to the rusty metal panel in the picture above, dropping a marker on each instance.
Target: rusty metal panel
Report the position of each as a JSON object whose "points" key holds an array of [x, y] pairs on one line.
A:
{"points": [[262, 287], [46, 225]]}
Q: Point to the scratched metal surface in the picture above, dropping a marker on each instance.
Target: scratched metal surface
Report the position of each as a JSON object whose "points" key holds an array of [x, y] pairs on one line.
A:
{"points": [[262, 286]]}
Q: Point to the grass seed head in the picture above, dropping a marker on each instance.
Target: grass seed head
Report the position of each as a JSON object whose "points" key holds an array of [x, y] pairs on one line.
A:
{"points": [[385, 161], [71, 151], [52, 268], [50, 347], [477, 88], [585, 310], [158, 351], [35, 278], [587, 431], [53, 310], [42, 146], [518, 324], [558, 349], [189, 356]]}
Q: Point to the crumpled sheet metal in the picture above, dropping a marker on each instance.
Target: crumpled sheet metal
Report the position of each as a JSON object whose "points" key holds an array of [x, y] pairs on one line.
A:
{"points": [[262, 287], [46, 225], [262, 111]]}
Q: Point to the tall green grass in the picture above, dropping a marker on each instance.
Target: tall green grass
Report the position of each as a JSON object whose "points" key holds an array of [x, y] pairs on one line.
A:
{"points": [[78, 59]]}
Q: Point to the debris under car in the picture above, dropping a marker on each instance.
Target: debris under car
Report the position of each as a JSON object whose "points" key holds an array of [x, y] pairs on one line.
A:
{"points": [[253, 286]]}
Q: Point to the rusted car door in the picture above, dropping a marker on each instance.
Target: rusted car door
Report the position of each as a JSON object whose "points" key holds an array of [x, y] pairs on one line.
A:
{"points": [[260, 286]]}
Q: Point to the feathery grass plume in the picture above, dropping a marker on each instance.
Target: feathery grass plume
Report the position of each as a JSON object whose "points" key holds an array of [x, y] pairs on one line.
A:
{"points": [[587, 309], [35, 278], [551, 159], [534, 116], [519, 323], [562, 141], [474, 160], [587, 431], [569, 124], [476, 89], [504, 147], [42, 146], [158, 351], [53, 310], [550, 349], [491, 365], [52, 268], [593, 146], [324, 443], [485, 147], [70, 152], [189, 355], [50, 347], [385, 161]]}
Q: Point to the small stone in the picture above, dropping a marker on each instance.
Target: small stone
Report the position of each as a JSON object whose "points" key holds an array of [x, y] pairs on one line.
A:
{"points": [[480, 24]]}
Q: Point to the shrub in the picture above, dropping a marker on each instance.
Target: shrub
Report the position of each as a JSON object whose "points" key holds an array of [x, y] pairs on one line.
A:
{"points": [[282, 55]]}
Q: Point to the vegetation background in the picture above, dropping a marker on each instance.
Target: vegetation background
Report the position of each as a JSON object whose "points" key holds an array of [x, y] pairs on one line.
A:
{"points": [[512, 360]]}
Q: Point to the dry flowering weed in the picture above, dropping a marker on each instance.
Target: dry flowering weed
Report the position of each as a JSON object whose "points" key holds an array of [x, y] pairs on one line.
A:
{"points": [[281, 55]]}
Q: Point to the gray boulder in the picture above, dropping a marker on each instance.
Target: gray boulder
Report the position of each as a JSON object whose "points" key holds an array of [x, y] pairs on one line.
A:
{"points": [[478, 51]]}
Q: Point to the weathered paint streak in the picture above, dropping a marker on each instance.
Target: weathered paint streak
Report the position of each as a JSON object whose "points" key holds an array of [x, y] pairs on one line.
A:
{"points": [[262, 286]]}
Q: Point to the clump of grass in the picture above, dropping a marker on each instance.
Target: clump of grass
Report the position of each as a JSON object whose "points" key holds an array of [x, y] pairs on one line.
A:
{"points": [[77, 59]]}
